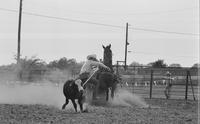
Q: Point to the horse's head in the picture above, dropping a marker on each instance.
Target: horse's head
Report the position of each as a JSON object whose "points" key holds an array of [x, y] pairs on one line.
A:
{"points": [[80, 87], [107, 51], [107, 56]]}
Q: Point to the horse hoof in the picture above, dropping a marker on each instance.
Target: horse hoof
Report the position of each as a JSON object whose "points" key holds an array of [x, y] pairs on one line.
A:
{"points": [[85, 111]]}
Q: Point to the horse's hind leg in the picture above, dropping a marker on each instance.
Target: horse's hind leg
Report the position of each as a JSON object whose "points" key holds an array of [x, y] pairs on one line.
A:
{"points": [[66, 102], [95, 88], [107, 94], [74, 104], [112, 93]]}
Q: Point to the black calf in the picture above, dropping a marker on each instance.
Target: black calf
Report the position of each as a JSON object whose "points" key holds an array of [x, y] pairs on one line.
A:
{"points": [[72, 92]]}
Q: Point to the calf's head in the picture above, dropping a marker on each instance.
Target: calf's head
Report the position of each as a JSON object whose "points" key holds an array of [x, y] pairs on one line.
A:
{"points": [[80, 87]]}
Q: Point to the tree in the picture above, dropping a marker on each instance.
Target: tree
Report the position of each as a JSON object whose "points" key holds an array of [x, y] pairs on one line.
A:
{"points": [[60, 64], [196, 65], [66, 64], [135, 64], [29, 67], [158, 64], [175, 65]]}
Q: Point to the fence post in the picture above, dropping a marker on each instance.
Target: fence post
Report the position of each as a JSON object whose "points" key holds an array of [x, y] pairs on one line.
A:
{"points": [[186, 86], [151, 83], [191, 84], [117, 71]]}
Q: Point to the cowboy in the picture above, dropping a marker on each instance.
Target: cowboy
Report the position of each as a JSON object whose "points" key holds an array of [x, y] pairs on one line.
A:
{"points": [[88, 69], [168, 85]]}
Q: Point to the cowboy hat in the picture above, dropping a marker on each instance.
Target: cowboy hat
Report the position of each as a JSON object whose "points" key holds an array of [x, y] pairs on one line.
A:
{"points": [[92, 56], [168, 73]]}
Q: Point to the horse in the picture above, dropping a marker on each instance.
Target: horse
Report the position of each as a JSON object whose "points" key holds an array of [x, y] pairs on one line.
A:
{"points": [[72, 90], [107, 79]]}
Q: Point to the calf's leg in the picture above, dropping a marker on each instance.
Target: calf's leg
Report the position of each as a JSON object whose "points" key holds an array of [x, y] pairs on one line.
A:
{"points": [[74, 104], [66, 102], [80, 102]]}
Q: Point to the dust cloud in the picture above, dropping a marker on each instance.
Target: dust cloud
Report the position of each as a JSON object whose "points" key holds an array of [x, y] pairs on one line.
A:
{"points": [[51, 94], [47, 90], [125, 98], [35, 93]]}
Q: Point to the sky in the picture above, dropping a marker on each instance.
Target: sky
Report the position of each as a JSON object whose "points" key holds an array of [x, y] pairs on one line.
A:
{"points": [[52, 29]]}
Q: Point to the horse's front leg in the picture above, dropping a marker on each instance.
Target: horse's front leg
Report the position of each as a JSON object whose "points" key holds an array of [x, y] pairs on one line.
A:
{"points": [[80, 102], [112, 92]]}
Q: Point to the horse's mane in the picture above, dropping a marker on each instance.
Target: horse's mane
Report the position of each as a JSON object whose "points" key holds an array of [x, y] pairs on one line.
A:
{"points": [[101, 69]]}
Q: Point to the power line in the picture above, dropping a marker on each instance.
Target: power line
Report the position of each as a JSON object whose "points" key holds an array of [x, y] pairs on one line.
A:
{"points": [[62, 18], [165, 11], [136, 13], [72, 20], [88, 22], [3, 9], [169, 32], [142, 13], [101, 24]]}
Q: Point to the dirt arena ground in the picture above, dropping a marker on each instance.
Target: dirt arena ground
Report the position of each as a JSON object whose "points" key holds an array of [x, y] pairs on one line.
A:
{"points": [[161, 111]]}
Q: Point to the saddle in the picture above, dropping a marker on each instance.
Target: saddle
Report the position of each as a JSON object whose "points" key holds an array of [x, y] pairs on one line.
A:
{"points": [[83, 77]]}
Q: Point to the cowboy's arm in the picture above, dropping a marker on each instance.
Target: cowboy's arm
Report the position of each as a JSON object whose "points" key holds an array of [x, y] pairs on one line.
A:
{"points": [[167, 78], [94, 63]]}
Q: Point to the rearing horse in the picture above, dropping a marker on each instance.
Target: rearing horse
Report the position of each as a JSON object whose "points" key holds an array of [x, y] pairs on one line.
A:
{"points": [[107, 79]]}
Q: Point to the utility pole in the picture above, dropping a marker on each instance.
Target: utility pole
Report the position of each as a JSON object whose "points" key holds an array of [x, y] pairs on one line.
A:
{"points": [[126, 44], [19, 32]]}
